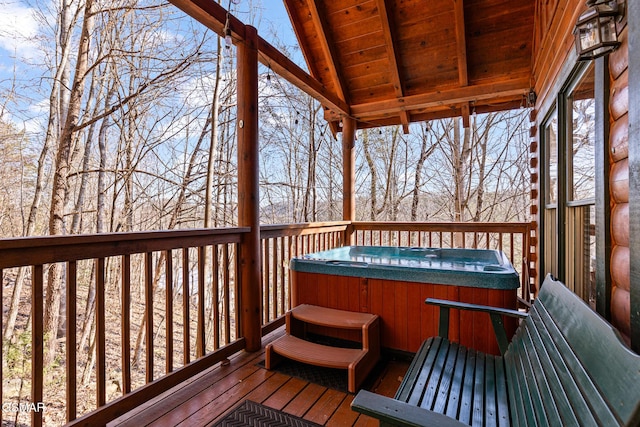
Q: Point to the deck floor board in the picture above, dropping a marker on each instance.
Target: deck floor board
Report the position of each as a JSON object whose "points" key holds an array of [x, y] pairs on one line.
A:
{"points": [[204, 400]]}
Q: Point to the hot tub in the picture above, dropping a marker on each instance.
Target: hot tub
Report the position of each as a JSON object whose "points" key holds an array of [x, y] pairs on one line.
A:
{"points": [[393, 282]]}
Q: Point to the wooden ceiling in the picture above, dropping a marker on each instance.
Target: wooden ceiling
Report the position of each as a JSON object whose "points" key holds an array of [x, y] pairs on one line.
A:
{"points": [[389, 62], [400, 61]]}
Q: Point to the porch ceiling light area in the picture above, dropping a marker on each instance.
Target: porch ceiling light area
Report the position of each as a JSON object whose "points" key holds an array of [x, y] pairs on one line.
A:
{"points": [[596, 33]]}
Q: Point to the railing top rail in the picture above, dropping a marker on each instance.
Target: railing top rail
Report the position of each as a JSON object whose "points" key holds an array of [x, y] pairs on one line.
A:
{"points": [[443, 226], [25, 251], [267, 231]]}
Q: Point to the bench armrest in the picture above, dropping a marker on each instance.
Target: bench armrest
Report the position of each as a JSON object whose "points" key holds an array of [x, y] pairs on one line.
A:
{"points": [[495, 313], [394, 412]]}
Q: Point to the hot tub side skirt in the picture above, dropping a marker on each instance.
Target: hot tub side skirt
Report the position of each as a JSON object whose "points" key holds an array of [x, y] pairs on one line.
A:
{"points": [[406, 320]]}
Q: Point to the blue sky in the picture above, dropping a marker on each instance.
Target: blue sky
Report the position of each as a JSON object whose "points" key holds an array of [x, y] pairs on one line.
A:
{"points": [[20, 53]]}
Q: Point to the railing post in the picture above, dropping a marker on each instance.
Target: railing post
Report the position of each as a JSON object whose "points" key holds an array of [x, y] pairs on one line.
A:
{"points": [[348, 176], [248, 189]]}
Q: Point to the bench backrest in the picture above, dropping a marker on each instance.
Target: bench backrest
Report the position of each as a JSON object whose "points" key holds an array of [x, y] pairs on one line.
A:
{"points": [[567, 366]]}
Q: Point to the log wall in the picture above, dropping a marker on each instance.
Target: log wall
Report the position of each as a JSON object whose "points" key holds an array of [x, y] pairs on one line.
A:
{"points": [[619, 188]]}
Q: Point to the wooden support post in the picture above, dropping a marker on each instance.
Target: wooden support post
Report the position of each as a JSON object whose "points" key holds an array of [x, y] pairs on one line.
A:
{"points": [[248, 190], [349, 175], [603, 197]]}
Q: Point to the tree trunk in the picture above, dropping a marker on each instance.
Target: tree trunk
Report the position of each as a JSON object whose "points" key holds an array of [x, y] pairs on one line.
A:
{"points": [[425, 152], [373, 185], [59, 193], [58, 100]]}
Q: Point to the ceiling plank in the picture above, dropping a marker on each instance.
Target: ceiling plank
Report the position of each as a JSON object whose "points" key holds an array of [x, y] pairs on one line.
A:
{"points": [[300, 36], [461, 42], [214, 17], [444, 97], [388, 29], [326, 44]]}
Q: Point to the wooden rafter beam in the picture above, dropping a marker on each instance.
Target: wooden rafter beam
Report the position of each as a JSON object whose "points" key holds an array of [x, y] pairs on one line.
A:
{"points": [[320, 24], [466, 121], [444, 97], [214, 17], [388, 30], [461, 42]]}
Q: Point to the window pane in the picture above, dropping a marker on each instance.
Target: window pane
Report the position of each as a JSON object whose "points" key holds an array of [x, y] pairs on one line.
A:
{"points": [[551, 140], [582, 123]]}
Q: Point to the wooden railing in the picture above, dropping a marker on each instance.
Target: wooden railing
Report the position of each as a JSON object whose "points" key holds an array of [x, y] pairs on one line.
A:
{"points": [[187, 278], [280, 243], [110, 280], [511, 238]]}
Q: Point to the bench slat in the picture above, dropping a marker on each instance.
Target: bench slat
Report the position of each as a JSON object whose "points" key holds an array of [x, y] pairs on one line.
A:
{"points": [[466, 401], [490, 404], [446, 380], [453, 403], [571, 405], [421, 378], [544, 405], [610, 364], [433, 379], [578, 381], [501, 394], [523, 402], [478, 391]]}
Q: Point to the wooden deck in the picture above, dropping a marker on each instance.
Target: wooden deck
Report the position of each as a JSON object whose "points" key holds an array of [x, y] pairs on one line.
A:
{"points": [[204, 399]]}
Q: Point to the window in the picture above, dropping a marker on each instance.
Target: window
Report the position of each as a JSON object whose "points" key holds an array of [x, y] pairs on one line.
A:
{"points": [[568, 220]]}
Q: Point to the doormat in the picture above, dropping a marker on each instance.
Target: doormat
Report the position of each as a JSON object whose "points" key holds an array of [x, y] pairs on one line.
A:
{"points": [[253, 414]]}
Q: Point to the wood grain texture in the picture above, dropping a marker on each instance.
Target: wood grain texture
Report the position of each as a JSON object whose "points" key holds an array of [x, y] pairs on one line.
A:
{"points": [[620, 310], [620, 224], [619, 182], [619, 139], [620, 266], [619, 104], [619, 59]]}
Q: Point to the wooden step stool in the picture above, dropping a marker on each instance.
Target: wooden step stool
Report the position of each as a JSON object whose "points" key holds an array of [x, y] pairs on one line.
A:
{"points": [[358, 362]]}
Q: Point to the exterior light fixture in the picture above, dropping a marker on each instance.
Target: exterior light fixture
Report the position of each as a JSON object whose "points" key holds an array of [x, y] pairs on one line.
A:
{"points": [[227, 39], [596, 33]]}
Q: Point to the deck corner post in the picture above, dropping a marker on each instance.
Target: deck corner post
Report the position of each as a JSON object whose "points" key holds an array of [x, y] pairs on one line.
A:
{"points": [[248, 190], [348, 175]]}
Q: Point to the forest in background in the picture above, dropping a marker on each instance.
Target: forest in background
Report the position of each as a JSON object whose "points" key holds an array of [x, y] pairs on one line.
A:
{"points": [[119, 116]]}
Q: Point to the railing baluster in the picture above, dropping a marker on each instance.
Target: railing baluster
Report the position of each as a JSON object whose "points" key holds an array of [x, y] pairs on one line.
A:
{"points": [[225, 271], [37, 338], [216, 308], [70, 344], [2, 336], [284, 277], [266, 282], [126, 324], [168, 312], [511, 248], [236, 292], [200, 325], [274, 287], [101, 347], [148, 299], [186, 300]]}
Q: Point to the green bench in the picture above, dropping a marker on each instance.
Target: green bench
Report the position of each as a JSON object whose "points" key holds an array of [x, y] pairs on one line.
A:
{"points": [[565, 366]]}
